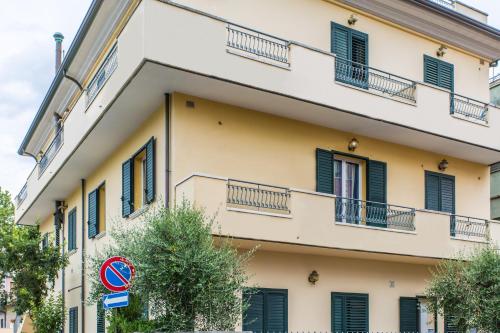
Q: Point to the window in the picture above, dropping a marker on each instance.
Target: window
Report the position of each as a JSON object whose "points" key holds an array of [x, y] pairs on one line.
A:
{"points": [[97, 211], [73, 320], [45, 241], [138, 188], [267, 310], [72, 230], [438, 73], [351, 48], [349, 312], [449, 323], [409, 315], [439, 192]]}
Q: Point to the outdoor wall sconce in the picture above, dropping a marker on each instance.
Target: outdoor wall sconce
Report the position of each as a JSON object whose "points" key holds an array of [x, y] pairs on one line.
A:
{"points": [[441, 51], [313, 277], [443, 165], [352, 20], [353, 144]]}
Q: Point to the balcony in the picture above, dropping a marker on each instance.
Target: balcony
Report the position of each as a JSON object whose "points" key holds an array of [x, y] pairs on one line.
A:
{"points": [[19, 198], [263, 214], [469, 108], [445, 3], [51, 152], [107, 68]]}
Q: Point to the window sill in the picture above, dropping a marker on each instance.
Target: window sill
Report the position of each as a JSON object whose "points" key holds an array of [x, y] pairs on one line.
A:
{"points": [[100, 235], [138, 212], [70, 253]]}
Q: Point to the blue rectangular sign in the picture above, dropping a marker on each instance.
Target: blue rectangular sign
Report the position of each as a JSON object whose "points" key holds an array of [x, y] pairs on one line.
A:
{"points": [[116, 300]]}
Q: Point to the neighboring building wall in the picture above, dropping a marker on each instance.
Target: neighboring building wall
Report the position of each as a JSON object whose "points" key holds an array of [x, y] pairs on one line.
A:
{"points": [[228, 141]]}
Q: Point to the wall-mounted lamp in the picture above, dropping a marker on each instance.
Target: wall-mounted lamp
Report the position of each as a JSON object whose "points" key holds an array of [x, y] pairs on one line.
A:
{"points": [[441, 51], [353, 144], [313, 277], [443, 165], [352, 19]]}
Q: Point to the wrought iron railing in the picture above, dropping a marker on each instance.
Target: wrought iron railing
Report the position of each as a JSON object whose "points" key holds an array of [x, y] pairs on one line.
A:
{"points": [[495, 78], [468, 227], [51, 151], [365, 77], [107, 68], [374, 214], [258, 196], [19, 198], [257, 43], [445, 3], [469, 107]]}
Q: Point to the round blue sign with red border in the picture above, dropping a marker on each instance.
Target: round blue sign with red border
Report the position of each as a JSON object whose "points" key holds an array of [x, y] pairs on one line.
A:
{"points": [[116, 274]]}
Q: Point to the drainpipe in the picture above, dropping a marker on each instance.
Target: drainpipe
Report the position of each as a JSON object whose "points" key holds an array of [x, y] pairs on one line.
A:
{"points": [[82, 297], [59, 226], [167, 148]]}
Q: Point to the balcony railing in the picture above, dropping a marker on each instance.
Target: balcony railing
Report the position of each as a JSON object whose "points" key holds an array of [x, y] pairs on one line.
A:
{"points": [[469, 108], [365, 77], [51, 151], [468, 227], [374, 214], [256, 196], [495, 78], [107, 68], [19, 198], [257, 43], [445, 3]]}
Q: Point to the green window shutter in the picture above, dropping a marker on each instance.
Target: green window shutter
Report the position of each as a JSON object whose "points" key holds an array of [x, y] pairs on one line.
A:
{"points": [[150, 171], [438, 73], [276, 308], [376, 192], [340, 41], [349, 312], [432, 191], [449, 323], [253, 318], [408, 315], [447, 187], [72, 230], [324, 171], [127, 187], [93, 212], [439, 192], [73, 320], [45, 241], [101, 319]]}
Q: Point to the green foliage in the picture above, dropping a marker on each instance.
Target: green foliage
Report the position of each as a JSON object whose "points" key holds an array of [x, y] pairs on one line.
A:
{"points": [[49, 315], [189, 281], [21, 257], [469, 289], [132, 318]]}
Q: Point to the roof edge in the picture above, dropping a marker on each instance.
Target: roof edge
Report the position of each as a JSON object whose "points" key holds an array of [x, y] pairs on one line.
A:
{"points": [[70, 55]]}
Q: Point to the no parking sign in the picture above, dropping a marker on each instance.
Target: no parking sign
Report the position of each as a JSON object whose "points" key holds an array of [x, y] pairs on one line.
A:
{"points": [[117, 273]]}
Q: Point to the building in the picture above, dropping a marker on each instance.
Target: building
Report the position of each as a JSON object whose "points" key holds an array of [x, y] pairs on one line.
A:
{"points": [[351, 140]]}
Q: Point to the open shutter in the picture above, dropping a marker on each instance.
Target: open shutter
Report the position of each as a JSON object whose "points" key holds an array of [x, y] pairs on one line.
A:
{"points": [[446, 74], [324, 171], [150, 171], [127, 187], [376, 210], [431, 70], [73, 320], [432, 191], [276, 308], [101, 323], [93, 212], [340, 41], [72, 230], [408, 315], [253, 318]]}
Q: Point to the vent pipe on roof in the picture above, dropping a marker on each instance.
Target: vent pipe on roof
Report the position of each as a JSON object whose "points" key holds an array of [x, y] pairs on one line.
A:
{"points": [[58, 37]]}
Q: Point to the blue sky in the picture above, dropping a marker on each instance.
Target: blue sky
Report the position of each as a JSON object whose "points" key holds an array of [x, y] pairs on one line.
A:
{"points": [[27, 68]]}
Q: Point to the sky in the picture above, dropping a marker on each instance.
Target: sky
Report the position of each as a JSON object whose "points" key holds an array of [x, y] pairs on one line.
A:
{"points": [[27, 69]]}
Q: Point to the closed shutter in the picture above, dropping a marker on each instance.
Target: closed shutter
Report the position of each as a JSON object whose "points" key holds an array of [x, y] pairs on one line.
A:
{"points": [[447, 185], [324, 171], [150, 171], [408, 315], [276, 308], [449, 324], [438, 73], [73, 320], [101, 321], [439, 192], [93, 212], [432, 196], [253, 318], [267, 310], [72, 230], [45, 241], [127, 187], [376, 210], [349, 312]]}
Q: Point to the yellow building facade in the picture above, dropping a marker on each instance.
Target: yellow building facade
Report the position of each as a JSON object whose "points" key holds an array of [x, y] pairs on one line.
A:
{"points": [[350, 141]]}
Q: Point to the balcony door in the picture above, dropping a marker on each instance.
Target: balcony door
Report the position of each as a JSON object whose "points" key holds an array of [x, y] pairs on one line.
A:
{"points": [[347, 185]]}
